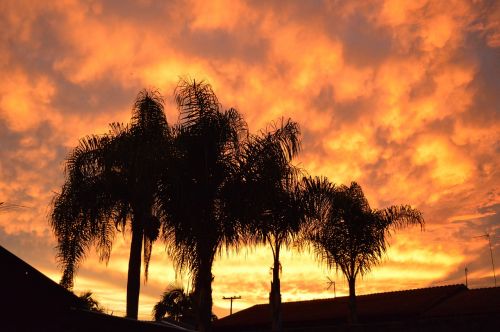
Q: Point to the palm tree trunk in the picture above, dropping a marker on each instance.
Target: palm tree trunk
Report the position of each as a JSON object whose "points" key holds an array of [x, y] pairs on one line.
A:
{"points": [[275, 295], [134, 272], [352, 300], [204, 290]]}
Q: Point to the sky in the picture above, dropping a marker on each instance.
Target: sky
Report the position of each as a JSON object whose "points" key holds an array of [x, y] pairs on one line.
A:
{"points": [[400, 96]]}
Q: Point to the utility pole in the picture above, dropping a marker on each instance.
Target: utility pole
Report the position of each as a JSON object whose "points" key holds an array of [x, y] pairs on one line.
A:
{"points": [[487, 235], [466, 284], [231, 298]]}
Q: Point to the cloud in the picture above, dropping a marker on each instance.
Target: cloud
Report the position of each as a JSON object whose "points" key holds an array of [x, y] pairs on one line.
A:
{"points": [[399, 96], [36, 249]]}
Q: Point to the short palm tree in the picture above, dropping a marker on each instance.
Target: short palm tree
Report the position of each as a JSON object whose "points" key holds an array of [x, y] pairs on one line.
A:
{"points": [[111, 185], [348, 234], [194, 195], [272, 198], [176, 305], [89, 303]]}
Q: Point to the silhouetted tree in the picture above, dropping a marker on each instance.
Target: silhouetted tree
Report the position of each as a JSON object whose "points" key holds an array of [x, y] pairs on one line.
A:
{"points": [[272, 198], [176, 305], [349, 234], [111, 184], [194, 195], [89, 302]]}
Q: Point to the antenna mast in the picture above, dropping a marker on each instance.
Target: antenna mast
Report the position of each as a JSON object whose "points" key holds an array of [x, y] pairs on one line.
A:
{"points": [[487, 235]]}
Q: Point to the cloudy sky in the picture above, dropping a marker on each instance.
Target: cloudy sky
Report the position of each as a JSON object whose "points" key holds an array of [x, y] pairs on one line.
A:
{"points": [[400, 96]]}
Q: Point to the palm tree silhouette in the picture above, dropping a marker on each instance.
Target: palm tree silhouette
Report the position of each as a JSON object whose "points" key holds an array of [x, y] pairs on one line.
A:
{"points": [[111, 184], [194, 196], [89, 303], [274, 209], [348, 234], [176, 304]]}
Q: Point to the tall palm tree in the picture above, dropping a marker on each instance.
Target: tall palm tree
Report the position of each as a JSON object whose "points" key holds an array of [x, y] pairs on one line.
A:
{"points": [[349, 234], [111, 184], [273, 197], [194, 195]]}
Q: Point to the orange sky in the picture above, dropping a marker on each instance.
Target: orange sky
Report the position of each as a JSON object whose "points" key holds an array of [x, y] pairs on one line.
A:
{"points": [[400, 96]]}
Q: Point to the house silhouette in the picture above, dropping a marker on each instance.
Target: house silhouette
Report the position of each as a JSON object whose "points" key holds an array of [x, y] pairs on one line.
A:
{"points": [[30, 301], [445, 308]]}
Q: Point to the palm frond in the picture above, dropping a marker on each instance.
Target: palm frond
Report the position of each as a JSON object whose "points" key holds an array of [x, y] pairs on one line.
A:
{"points": [[148, 114], [400, 216], [195, 100]]}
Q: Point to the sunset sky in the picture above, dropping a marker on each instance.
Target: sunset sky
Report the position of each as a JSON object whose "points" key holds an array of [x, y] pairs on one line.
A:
{"points": [[401, 96]]}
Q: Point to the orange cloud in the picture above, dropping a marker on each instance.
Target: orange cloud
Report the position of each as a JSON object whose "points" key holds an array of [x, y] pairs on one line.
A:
{"points": [[399, 96]]}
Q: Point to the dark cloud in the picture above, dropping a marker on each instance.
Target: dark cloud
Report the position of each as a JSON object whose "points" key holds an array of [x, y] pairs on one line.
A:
{"points": [[343, 113], [363, 43], [423, 88], [98, 96], [36, 249], [41, 138], [323, 101], [271, 57], [223, 45], [485, 109], [147, 13], [351, 111]]}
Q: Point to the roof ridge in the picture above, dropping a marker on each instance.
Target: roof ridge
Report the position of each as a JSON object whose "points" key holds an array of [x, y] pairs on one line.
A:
{"points": [[481, 288], [444, 298], [388, 292], [416, 289]]}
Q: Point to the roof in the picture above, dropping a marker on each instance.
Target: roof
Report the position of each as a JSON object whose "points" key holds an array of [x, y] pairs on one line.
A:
{"points": [[28, 293], [373, 308], [472, 302], [22, 284]]}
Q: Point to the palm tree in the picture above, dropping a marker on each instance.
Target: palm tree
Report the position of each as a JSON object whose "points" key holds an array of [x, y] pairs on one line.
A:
{"points": [[177, 305], [194, 195], [274, 210], [89, 303], [111, 183], [349, 234]]}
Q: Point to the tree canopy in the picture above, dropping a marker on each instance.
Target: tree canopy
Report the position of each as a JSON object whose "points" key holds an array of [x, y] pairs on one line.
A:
{"points": [[272, 197], [348, 234], [204, 185], [195, 196], [110, 185]]}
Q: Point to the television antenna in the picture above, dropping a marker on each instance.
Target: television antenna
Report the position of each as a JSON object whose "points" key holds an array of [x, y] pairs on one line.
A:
{"points": [[4, 206], [331, 282], [487, 235]]}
